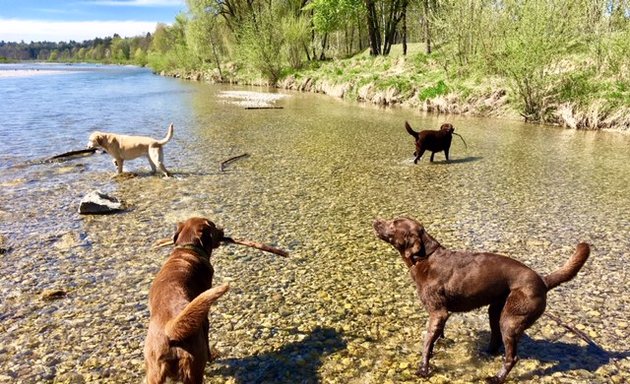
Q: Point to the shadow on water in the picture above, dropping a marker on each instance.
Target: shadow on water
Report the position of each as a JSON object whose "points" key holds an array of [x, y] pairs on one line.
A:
{"points": [[564, 356], [462, 160], [296, 362]]}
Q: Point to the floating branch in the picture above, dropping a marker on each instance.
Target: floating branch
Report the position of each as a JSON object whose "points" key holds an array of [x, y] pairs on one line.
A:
{"points": [[268, 107], [231, 159]]}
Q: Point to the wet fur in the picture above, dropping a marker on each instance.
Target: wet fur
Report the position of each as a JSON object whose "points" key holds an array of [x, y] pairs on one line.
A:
{"points": [[459, 281], [176, 345]]}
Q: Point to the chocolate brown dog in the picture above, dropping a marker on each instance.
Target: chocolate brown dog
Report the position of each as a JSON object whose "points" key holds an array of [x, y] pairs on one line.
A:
{"points": [[176, 345], [434, 141], [459, 281]]}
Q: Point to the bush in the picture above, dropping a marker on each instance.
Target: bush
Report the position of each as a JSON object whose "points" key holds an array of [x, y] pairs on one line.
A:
{"points": [[439, 89]]}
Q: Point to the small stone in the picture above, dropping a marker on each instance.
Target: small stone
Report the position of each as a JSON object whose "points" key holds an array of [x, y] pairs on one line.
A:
{"points": [[53, 294], [4, 247], [97, 202]]}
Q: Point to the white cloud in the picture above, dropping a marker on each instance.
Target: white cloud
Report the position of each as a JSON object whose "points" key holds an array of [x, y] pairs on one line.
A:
{"points": [[44, 30]]}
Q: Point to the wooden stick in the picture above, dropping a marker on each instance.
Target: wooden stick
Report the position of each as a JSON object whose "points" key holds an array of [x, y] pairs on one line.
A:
{"points": [[575, 331], [252, 244], [264, 107], [461, 137], [257, 245], [231, 159], [162, 242]]}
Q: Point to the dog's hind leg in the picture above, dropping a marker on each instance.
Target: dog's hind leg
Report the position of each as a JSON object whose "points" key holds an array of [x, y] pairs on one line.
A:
{"points": [[437, 321], [494, 312], [156, 159], [519, 312], [151, 163]]}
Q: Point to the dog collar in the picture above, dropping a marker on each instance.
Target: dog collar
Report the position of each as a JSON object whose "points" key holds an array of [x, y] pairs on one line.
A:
{"points": [[193, 247]]}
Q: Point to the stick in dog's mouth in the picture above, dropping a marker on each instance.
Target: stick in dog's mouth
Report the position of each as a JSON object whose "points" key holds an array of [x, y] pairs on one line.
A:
{"points": [[228, 240]]}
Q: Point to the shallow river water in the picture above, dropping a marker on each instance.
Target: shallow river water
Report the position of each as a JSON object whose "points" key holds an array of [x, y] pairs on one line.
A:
{"points": [[341, 308]]}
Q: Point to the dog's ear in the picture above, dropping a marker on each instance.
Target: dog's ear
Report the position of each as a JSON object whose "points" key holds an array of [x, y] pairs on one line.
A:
{"points": [[429, 244], [414, 251], [180, 226]]}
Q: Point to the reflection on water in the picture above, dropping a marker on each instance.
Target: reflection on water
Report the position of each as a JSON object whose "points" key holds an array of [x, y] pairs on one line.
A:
{"points": [[318, 172]]}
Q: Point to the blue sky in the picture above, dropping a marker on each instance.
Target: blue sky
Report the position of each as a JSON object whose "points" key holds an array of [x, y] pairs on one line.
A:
{"points": [[57, 20]]}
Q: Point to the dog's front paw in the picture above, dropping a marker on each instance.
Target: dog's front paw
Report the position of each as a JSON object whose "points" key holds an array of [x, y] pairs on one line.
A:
{"points": [[423, 372]]}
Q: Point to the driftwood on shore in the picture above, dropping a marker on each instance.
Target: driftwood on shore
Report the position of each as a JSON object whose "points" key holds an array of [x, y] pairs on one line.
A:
{"points": [[231, 159], [265, 107], [228, 240]]}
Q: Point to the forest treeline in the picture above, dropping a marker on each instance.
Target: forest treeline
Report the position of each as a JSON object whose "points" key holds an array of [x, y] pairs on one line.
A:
{"points": [[114, 49], [551, 61]]}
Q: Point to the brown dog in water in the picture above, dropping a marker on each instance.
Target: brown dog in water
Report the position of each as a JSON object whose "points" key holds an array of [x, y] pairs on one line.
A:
{"points": [[434, 141], [459, 281], [176, 345]]}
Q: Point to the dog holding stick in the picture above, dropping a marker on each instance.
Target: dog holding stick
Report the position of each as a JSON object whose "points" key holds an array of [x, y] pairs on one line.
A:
{"points": [[434, 141], [176, 345], [125, 147]]}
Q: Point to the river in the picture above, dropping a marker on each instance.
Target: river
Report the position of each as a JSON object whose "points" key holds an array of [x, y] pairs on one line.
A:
{"points": [[342, 308]]}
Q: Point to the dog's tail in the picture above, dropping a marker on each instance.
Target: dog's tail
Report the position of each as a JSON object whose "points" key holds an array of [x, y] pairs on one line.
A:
{"points": [[570, 269], [411, 131], [169, 135], [192, 317]]}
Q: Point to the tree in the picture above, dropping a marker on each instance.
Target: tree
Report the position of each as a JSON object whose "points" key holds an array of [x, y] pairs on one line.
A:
{"points": [[392, 12]]}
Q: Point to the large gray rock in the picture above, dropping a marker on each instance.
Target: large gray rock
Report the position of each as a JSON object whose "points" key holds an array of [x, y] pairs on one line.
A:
{"points": [[97, 202]]}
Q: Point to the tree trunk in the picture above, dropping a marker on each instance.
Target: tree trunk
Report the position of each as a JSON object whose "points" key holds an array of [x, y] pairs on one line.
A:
{"points": [[427, 29], [404, 33], [373, 28]]}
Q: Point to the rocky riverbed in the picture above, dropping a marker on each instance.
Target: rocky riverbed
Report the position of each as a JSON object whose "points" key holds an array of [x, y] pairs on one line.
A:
{"points": [[341, 308]]}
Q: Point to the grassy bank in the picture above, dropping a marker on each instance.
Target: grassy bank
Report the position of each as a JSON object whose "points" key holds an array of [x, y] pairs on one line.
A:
{"points": [[576, 97]]}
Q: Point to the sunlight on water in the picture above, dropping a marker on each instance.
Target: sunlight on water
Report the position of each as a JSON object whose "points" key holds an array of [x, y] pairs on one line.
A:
{"points": [[318, 172]]}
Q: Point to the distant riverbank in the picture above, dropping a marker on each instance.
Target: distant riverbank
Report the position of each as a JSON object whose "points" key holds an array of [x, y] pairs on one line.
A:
{"points": [[410, 82]]}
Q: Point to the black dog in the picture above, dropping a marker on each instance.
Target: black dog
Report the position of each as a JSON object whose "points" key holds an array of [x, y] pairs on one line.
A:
{"points": [[434, 141]]}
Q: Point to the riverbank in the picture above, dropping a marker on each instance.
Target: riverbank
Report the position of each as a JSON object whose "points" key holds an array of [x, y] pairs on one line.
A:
{"points": [[417, 82]]}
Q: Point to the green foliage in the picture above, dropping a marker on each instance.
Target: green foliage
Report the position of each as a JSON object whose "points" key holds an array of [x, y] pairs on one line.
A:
{"points": [[331, 15], [439, 89], [532, 47], [140, 57], [577, 87], [296, 32], [263, 46]]}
